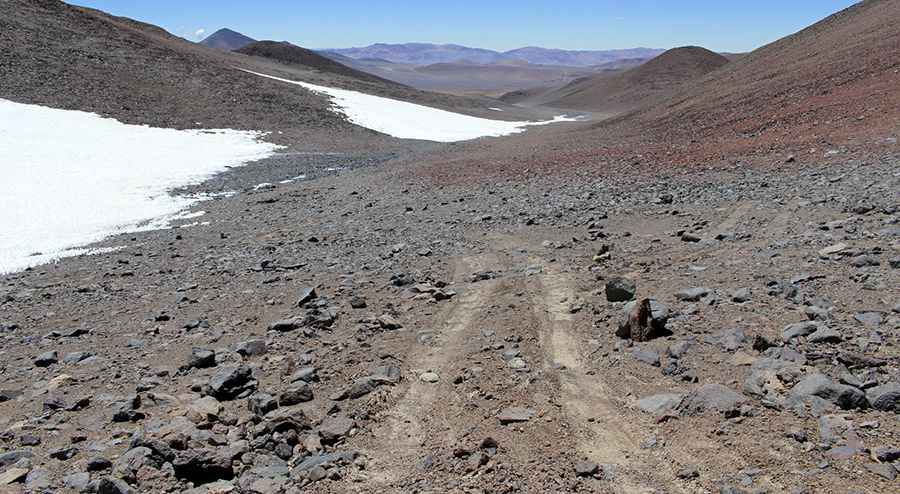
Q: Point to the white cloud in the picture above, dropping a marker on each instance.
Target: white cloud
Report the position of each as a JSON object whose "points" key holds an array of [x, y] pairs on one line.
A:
{"points": [[199, 33]]}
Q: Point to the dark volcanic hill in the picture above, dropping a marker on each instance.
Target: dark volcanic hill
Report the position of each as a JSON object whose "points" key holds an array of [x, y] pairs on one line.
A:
{"points": [[290, 54], [228, 40], [626, 90]]}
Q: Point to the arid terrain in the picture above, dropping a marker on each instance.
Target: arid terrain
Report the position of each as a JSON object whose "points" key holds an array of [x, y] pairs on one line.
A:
{"points": [[701, 295]]}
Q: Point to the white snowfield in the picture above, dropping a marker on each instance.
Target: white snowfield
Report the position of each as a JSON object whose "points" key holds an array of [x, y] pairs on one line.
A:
{"points": [[406, 120], [71, 178]]}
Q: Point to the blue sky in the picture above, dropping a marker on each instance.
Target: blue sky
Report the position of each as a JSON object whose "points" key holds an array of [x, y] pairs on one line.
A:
{"points": [[720, 25]]}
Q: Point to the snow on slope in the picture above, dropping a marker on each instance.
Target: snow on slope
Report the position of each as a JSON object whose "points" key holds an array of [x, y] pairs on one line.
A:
{"points": [[406, 120], [71, 178]]}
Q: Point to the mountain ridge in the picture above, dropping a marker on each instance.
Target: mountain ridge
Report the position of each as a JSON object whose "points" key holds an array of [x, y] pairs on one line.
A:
{"points": [[431, 53]]}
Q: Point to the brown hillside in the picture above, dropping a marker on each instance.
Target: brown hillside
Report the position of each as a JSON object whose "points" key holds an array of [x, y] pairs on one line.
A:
{"points": [[625, 90], [290, 54], [834, 83]]}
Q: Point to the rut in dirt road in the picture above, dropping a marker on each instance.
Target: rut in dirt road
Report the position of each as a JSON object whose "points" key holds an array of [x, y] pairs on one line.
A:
{"points": [[605, 432], [406, 425]]}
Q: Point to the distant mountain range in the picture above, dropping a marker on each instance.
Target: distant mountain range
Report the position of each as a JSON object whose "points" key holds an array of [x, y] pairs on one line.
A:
{"points": [[427, 54], [228, 40]]}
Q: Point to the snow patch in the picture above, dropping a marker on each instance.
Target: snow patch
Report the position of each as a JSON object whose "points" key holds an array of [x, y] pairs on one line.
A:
{"points": [[406, 120], [71, 178]]}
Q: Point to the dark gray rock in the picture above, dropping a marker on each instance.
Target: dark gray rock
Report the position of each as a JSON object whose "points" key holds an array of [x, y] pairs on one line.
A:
{"points": [[730, 339], [798, 330], [824, 335], [127, 466], [202, 466], [821, 386], [886, 454], [201, 359], [98, 464], [620, 290], [261, 403], [46, 359], [883, 470], [251, 348], [296, 393], [285, 325], [76, 357], [710, 398], [110, 486], [885, 397], [646, 356], [230, 383], [871, 318], [306, 295], [11, 457], [387, 374], [333, 429], [659, 404], [77, 482]]}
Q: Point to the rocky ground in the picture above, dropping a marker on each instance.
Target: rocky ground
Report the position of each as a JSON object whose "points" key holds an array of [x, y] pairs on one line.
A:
{"points": [[364, 328]]}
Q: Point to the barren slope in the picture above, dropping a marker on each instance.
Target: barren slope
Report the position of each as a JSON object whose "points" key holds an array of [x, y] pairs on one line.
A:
{"points": [[834, 82], [638, 86], [290, 54]]}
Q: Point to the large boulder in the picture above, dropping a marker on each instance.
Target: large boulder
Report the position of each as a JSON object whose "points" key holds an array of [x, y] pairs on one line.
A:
{"points": [[823, 387], [885, 397], [710, 398]]}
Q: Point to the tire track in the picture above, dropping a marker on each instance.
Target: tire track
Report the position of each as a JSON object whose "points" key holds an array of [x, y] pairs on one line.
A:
{"points": [[404, 429]]}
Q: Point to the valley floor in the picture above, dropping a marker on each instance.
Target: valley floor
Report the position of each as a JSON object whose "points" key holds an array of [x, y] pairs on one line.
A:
{"points": [[461, 338]]}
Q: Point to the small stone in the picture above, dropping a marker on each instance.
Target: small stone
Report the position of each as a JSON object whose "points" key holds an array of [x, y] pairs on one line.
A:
{"points": [[98, 464], [306, 295], [646, 356], [261, 403], [833, 249], [741, 296], [692, 294], [296, 393], [824, 335], [429, 377], [586, 468], [515, 414], [46, 359], [687, 473], [231, 382], [333, 429], [883, 470], [251, 348], [201, 359]]}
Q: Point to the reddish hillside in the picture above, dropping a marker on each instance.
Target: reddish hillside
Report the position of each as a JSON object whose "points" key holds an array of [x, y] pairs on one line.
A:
{"points": [[638, 86], [834, 83]]}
